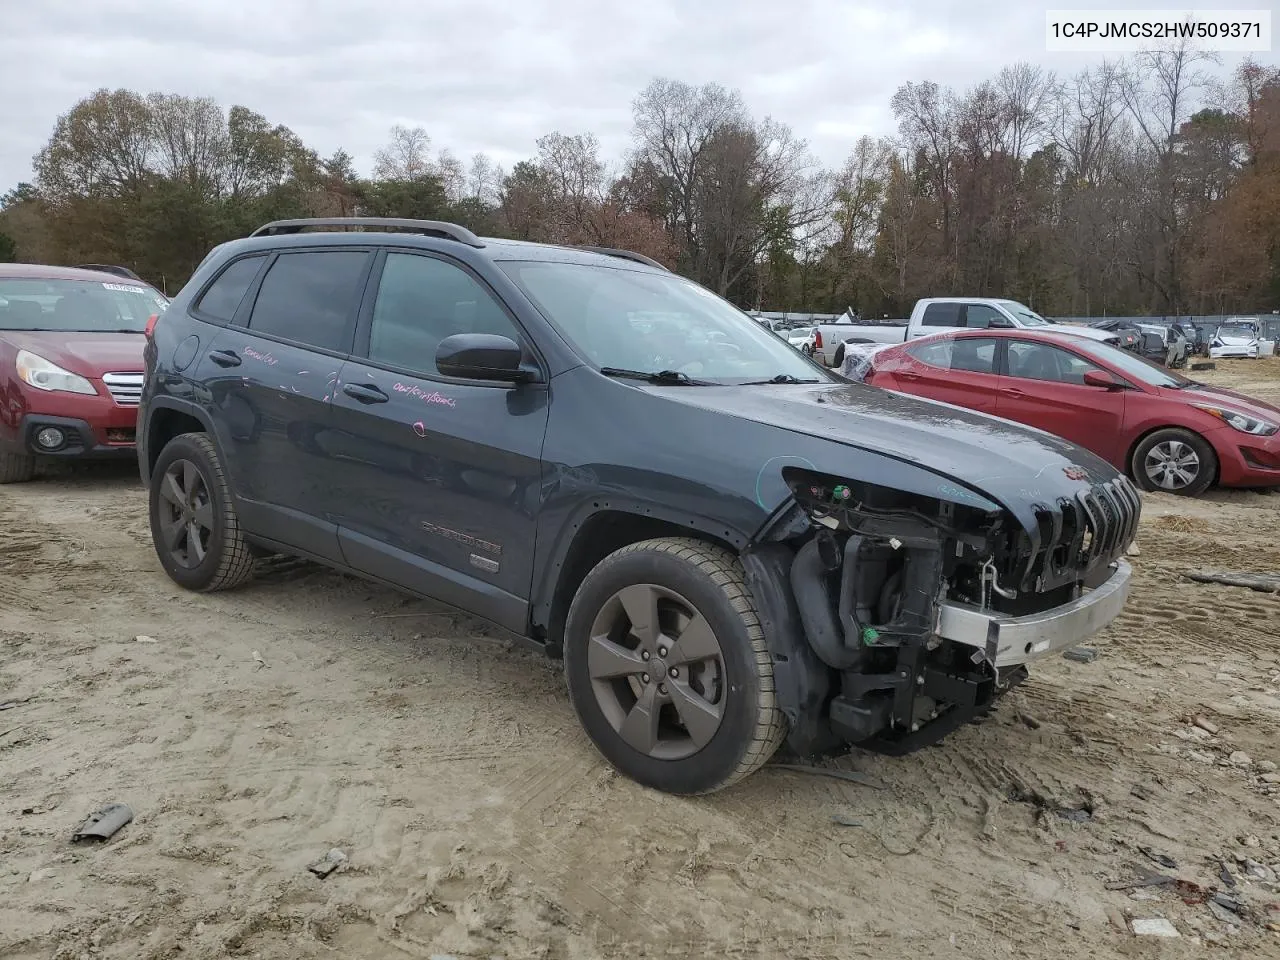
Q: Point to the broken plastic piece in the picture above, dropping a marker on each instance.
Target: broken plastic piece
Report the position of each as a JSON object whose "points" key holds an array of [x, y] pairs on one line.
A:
{"points": [[1155, 927], [330, 862], [1081, 654], [104, 822]]}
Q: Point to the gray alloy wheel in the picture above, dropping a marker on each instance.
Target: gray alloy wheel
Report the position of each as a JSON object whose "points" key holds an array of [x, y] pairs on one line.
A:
{"points": [[194, 526], [657, 671], [185, 514], [1175, 461], [1171, 465], [668, 669]]}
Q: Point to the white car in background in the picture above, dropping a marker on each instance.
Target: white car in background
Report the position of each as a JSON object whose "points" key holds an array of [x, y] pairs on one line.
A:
{"points": [[803, 339], [1238, 338]]}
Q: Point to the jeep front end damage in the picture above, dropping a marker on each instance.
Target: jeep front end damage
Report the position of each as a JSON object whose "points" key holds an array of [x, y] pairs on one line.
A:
{"points": [[922, 610]]}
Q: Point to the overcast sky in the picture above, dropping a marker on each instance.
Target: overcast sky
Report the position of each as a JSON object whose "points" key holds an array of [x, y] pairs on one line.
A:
{"points": [[493, 75]]}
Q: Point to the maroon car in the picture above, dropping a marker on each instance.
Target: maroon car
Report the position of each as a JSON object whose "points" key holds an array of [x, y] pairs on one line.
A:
{"points": [[1170, 433], [70, 364]]}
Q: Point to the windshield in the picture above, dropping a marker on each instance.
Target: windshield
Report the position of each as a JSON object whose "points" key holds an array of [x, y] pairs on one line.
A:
{"points": [[1027, 316], [77, 306], [1236, 332], [651, 323], [1130, 364]]}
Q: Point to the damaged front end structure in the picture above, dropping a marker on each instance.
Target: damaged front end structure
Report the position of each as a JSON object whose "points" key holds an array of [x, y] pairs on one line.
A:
{"points": [[895, 617]]}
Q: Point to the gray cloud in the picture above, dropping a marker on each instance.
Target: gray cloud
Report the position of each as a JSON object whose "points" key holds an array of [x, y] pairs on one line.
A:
{"points": [[493, 75]]}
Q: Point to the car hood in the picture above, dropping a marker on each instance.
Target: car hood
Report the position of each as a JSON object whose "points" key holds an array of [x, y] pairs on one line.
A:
{"points": [[1080, 330], [88, 354], [1014, 465], [1235, 341], [1204, 393]]}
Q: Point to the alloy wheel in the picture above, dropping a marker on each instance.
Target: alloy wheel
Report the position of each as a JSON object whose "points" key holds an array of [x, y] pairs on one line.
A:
{"points": [[186, 514], [1172, 465], [657, 671]]}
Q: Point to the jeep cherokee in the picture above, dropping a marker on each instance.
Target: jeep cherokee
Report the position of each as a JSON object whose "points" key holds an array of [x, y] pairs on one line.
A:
{"points": [[729, 545]]}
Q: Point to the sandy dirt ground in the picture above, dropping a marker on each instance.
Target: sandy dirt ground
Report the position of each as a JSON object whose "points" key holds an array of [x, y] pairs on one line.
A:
{"points": [[310, 711]]}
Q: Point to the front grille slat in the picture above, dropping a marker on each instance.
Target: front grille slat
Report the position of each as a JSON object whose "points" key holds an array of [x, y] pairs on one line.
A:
{"points": [[1106, 514], [125, 388]]}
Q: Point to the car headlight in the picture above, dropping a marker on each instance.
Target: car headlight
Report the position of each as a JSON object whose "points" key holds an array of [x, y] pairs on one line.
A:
{"points": [[36, 371], [1239, 421]]}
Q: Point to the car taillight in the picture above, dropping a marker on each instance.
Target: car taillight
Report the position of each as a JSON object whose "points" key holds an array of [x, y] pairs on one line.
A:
{"points": [[817, 339], [151, 324]]}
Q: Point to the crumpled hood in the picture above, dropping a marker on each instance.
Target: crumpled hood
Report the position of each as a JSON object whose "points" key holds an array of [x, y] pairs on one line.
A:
{"points": [[1015, 465], [88, 354]]}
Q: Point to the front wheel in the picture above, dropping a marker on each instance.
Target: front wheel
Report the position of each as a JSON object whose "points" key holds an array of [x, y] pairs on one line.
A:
{"points": [[16, 467], [1174, 460], [667, 667], [194, 526]]}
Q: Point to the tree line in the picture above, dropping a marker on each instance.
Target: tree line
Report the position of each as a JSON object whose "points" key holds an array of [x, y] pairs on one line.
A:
{"points": [[1142, 186]]}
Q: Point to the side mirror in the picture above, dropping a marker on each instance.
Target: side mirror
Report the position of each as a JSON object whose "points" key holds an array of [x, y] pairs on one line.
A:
{"points": [[1000, 323], [482, 356], [1100, 378]]}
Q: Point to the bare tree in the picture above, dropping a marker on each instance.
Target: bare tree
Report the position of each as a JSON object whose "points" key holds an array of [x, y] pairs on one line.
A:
{"points": [[1160, 90], [1027, 93], [405, 157], [926, 120]]}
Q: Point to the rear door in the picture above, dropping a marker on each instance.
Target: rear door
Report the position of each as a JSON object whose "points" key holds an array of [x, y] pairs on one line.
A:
{"points": [[1044, 387], [438, 479], [271, 374], [960, 370]]}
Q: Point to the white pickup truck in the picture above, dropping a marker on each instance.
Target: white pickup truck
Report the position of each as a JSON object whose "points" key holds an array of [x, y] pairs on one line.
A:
{"points": [[933, 315]]}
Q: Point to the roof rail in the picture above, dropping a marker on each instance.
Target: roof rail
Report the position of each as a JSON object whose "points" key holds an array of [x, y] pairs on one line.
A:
{"points": [[431, 228], [625, 255]]}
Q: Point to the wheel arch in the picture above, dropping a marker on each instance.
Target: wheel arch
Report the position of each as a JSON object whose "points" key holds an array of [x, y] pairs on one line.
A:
{"points": [[598, 529], [168, 418]]}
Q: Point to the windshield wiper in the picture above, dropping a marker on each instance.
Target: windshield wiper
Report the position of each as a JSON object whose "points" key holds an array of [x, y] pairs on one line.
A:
{"points": [[654, 376], [780, 378]]}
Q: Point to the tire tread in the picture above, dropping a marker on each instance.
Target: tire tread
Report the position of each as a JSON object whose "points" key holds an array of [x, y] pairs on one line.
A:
{"points": [[16, 467], [236, 565]]}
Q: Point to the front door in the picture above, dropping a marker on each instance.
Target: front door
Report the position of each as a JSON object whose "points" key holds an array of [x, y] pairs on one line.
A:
{"points": [[1044, 387], [271, 376], [439, 480]]}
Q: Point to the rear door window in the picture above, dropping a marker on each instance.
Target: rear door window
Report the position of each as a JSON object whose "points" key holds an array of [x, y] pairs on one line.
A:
{"points": [[969, 354], [312, 298], [943, 315]]}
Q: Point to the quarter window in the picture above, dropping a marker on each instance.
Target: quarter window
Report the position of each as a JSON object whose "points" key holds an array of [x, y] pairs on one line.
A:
{"points": [[223, 297]]}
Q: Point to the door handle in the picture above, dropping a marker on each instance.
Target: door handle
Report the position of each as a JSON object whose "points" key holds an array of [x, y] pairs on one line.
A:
{"points": [[225, 358], [365, 393], [1011, 392]]}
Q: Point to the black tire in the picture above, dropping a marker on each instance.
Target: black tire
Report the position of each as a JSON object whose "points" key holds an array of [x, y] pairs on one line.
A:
{"points": [[837, 362], [1175, 440], [16, 467], [750, 725], [223, 559]]}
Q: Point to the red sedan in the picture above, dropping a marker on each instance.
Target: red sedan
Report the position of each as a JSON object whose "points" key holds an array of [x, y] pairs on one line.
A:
{"points": [[1169, 433], [70, 364]]}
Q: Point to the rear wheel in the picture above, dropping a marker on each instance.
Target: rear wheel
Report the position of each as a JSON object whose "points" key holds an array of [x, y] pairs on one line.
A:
{"points": [[194, 525], [667, 667], [1174, 460], [16, 467], [837, 362]]}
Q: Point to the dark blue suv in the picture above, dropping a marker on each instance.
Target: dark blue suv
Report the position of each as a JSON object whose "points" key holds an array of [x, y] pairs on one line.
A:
{"points": [[729, 545]]}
